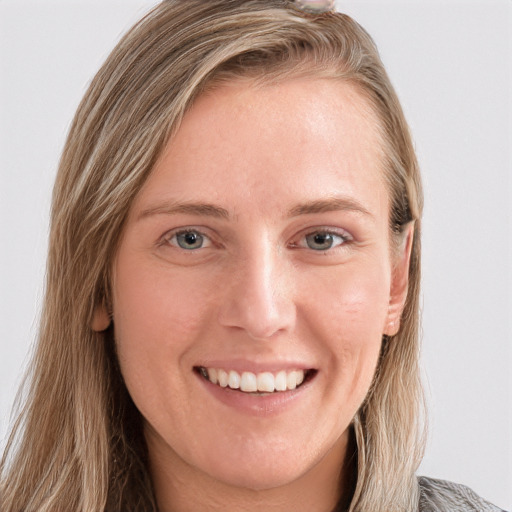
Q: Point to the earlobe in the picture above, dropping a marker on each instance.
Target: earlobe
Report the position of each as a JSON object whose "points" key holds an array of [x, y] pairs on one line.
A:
{"points": [[399, 284], [101, 319]]}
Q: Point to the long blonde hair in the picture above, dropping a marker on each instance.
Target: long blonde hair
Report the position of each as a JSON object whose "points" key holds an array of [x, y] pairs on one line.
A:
{"points": [[77, 444]]}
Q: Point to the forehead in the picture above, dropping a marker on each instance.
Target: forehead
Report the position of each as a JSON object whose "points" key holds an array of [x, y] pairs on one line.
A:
{"points": [[305, 107], [277, 141]]}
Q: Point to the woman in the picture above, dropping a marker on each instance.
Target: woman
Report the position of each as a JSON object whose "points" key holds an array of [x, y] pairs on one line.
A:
{"points": [[232, 305]]}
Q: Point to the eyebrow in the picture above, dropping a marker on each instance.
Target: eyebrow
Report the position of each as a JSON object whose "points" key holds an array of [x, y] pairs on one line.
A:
{"points": [[211, 210], [200, 209], [329, 205]]}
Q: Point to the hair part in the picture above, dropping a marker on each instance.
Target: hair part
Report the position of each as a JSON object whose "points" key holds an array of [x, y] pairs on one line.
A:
{"points": [[78, 444]]}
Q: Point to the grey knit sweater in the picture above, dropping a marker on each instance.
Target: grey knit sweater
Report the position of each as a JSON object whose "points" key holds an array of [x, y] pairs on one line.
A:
{"points": [[441, 496]]}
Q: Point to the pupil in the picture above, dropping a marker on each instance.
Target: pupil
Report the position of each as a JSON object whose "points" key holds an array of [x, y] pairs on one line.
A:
{"points": [[190, 238]]}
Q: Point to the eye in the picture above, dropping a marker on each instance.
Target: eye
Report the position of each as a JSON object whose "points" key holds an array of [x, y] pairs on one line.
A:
{"points": [[189, 240], [324, 240]]}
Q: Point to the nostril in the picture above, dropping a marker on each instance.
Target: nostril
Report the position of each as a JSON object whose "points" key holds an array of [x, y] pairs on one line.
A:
{"points": [[261, 321]]}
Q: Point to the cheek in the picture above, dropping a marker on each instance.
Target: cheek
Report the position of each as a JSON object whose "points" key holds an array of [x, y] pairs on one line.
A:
{"points": [[159, 307], [348, 315], [159, 315], [351, 300]]}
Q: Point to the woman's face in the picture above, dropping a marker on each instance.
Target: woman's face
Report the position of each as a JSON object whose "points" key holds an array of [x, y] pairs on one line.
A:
{"points": [[257, 255]]}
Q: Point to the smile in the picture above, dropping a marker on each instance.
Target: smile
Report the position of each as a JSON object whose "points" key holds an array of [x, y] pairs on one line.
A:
{"points": [[248, 382]]}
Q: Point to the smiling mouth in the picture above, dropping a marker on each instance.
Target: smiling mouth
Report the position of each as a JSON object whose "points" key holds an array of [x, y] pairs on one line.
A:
{"points": [[256, 383]]}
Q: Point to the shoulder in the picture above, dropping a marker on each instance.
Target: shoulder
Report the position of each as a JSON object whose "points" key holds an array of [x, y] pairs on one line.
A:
{"points": [[442, 496]]}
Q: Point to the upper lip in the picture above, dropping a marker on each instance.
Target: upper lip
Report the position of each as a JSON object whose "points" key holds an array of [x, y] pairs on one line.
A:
{"points": [[243, 365]]}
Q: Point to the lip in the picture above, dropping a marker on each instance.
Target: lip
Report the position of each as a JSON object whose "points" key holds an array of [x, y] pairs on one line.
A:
{"points": [[268, 404], [241, 365]]}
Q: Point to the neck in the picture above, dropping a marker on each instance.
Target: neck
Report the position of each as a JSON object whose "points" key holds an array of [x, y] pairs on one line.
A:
{"points": [[326, 487]]}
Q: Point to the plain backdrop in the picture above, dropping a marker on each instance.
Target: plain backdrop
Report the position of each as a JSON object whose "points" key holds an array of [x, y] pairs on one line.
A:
{"points": [[451, 64]]}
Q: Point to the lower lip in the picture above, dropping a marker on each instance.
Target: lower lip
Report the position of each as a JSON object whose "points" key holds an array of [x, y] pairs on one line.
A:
{"points": [[268, 404]]}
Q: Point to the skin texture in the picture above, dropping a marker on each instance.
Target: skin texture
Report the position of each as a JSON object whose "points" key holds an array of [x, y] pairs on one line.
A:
{"points": [[272, 164]]}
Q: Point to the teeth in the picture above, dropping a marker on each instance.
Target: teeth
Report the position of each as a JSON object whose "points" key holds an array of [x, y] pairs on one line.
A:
{"points": [[280, 381], [291, 380], [234, 380], [266, 382], [249, 382], [223, 378], [212, 375]]}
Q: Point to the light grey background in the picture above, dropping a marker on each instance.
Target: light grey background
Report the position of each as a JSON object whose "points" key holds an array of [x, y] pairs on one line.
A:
{"points": [[451, 64]]}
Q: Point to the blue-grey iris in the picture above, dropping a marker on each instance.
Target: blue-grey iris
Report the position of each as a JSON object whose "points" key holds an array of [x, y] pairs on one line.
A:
{"points": [[189, 240], [320, 241]]}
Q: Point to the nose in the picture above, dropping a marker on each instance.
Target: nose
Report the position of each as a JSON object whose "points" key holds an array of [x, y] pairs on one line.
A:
{"points": [[259, 295]]}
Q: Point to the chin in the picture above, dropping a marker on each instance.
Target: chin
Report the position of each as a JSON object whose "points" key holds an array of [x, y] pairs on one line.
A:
{"points": [[261, 463], [258, 478]]}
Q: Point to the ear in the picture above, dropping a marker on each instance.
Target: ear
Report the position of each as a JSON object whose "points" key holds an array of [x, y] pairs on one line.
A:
{"points": [[399, 282], [101, 319]]}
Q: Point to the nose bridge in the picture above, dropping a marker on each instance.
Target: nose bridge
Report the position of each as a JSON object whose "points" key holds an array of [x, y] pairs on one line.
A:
{"points": [[258, 298]]}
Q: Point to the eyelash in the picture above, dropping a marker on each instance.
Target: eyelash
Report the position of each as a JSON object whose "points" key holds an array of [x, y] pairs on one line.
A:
{"points": [[344, 237]]}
